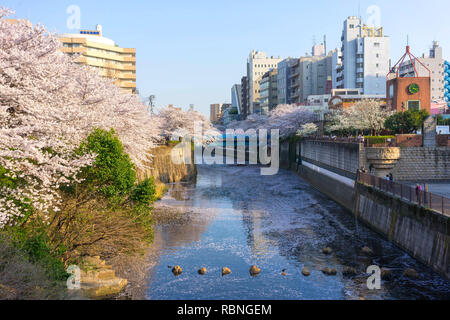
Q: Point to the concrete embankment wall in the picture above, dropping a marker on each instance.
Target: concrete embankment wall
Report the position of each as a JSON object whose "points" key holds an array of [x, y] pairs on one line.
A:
{"points": [[423, 233], [164, 170], [342, 158]]}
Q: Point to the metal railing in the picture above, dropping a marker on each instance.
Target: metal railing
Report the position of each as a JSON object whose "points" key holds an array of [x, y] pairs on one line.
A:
{"points": [[420, 197]]}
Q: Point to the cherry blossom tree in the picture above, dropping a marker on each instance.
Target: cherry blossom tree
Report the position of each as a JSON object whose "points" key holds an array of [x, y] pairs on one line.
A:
{"points": [[307, 129], [48, 105], [179, 123], [364, 115], [287, 118]]}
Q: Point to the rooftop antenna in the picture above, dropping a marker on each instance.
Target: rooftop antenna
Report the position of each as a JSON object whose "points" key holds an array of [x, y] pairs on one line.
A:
{"points": [[359, 9]]}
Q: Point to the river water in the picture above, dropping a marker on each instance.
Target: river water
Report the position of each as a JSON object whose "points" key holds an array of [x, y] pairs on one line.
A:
{"points": [[238, 218]]}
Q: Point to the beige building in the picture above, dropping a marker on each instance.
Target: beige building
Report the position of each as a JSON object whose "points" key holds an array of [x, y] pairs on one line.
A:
{"points": [[257, 65], [103, 54], [216, 111]]}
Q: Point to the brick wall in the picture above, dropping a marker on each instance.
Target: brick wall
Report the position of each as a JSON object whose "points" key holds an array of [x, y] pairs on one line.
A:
{"points": [[443, 140], [409, 140]]}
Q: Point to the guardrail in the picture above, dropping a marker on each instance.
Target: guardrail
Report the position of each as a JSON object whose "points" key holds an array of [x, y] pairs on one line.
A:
{"points": [[422, 198]]}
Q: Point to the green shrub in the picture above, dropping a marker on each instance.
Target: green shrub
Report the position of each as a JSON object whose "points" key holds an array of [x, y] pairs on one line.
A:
{"points": [[145, 192], [378, 139], [406, 122], [34, 242], [113, 172]]}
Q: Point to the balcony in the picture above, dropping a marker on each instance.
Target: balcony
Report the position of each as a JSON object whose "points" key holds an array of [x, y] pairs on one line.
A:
{"points": [[129, 59]]}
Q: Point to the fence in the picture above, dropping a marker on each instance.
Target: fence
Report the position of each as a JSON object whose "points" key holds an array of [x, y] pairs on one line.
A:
{"points": [[421, 197]]}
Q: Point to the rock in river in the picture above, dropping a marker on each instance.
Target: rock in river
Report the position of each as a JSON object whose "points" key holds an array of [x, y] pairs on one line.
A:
{"points": [[410, 273], [329, 272], [225, 271], [327, 250], [177, 270], [254, 271], [202, 271], [306, 272], [367, 251], [349, 271]]}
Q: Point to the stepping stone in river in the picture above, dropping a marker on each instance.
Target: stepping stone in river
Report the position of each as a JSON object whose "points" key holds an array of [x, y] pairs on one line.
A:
{"points": [[225, 271], [306, 272], [329, 272], [410, 273], [367, 251], [177, 270], [349, 271], [202, 271], [255, 271]]}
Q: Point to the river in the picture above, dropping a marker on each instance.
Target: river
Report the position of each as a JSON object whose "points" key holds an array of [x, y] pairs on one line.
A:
{"points": [[238, 218]]}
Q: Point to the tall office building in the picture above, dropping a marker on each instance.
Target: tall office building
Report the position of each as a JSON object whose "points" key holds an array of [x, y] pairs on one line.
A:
{"points": [[103, 54], [258, 64], [364, 59], [436, 65], [244, 98], [269, 93], [236, 98]]}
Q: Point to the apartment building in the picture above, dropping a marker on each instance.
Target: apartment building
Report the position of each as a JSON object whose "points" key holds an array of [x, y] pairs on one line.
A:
{"points": [[363, 61], [216, 111], [104, 55], [258, 64], [435, 63], [315, 72], [310, 75], [284, 80], [244, 98], [269, 91]]}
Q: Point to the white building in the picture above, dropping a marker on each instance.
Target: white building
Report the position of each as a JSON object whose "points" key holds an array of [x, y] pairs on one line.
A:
{"points": [[363, 61], [257, 65], [436, 65]]}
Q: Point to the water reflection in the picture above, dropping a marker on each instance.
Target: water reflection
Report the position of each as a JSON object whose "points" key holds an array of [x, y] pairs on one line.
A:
{"points": [[237, 218]]}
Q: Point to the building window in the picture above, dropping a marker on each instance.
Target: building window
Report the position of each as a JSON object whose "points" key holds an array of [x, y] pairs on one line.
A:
{"points": [[413, 105], [376, 44]]}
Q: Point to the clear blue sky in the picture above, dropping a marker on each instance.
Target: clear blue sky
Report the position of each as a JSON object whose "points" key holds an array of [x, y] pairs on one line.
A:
{"points": [[194, 51]]}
